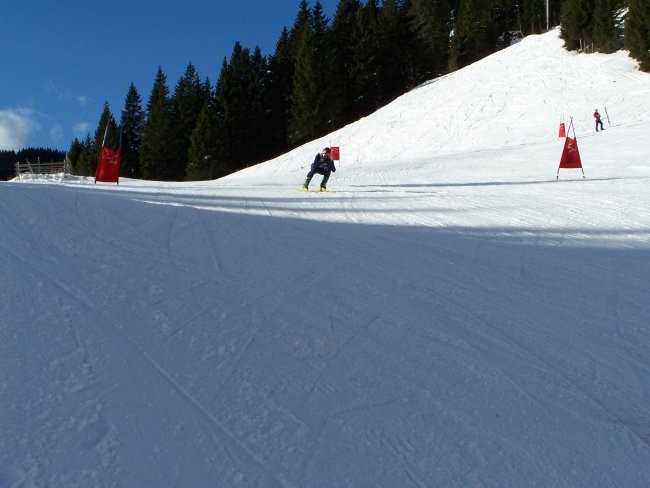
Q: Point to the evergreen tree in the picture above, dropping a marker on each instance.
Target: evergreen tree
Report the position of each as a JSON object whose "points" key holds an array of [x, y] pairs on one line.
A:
{"points": [[107, 132], [303, 117], [392, 52], [479, 23], [605, 33], [341, 58], [75, 155], [555, 9], [467, 44], [366, 60], [239, 95], [321, 66], [155, 160], [637, 32], [186, 105], [576, 24], [533, 16], [82, 156], [301, 22], [44, 155], [401, 66], [132, 122], [278, 95], [206, 158], [260, 115], [431, 21], [8, 160], [206, 90]]}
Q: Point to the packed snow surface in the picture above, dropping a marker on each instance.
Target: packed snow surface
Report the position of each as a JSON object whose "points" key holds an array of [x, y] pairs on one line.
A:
{"points": [[455, 315]]}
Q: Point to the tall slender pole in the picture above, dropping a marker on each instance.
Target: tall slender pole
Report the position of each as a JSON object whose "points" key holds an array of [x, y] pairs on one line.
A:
{"points": [[100, 154], [105, 132], [547, 15]]}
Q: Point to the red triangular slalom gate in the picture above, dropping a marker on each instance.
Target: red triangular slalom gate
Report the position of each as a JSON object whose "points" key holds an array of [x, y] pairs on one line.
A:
{"points": [[108, 168], [570, 156]]}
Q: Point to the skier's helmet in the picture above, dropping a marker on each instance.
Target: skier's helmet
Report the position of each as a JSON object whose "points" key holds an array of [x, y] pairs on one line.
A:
{"points": [[327, 151]]}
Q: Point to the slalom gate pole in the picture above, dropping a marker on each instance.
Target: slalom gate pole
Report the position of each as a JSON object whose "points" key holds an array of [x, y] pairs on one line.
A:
{"points": [[576, 139], [339, 145], [570, 127], [608, 122], [103, 142], [105, 132], [120, 149]]}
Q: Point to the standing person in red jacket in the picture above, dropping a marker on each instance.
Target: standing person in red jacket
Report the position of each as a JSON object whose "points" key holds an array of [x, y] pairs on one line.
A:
{"points": [[598, 121]]}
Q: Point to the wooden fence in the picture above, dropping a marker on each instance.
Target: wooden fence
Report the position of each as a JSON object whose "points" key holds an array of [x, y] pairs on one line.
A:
{"points": [[42, 168]]}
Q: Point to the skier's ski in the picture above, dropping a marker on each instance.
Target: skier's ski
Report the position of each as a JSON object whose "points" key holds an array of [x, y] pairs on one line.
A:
{"points": [[317, 191]]}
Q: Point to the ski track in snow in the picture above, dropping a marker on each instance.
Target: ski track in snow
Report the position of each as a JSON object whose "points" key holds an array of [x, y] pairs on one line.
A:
{"points": [[452, 315]]}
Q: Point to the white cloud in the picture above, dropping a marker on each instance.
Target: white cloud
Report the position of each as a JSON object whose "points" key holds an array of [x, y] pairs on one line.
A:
{"points": [[56, 133], [52, 88], [82, 100], [80, 130], [15, 127]]}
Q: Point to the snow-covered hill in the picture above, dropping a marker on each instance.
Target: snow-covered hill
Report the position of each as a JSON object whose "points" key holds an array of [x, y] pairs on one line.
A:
{"points": [[452, 316]]}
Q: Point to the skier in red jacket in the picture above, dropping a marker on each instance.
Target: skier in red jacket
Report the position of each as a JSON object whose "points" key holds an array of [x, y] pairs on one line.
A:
{"points": [[598, 121]]}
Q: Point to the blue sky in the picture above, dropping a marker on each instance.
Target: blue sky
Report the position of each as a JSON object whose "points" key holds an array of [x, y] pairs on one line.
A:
{"points": [[62, 60]]}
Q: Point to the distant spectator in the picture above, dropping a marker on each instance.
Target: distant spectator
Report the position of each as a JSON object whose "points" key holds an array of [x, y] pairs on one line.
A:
{"points": [[598, 121]]}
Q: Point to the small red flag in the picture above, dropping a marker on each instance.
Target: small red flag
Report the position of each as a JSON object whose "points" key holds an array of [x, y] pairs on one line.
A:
{"points": [[562, 132], [570, 155], [108, 168], [335, 153]]}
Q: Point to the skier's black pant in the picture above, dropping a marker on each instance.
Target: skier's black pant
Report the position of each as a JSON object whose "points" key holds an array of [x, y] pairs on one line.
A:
{"points": [[599, 122], [326, 176]]}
